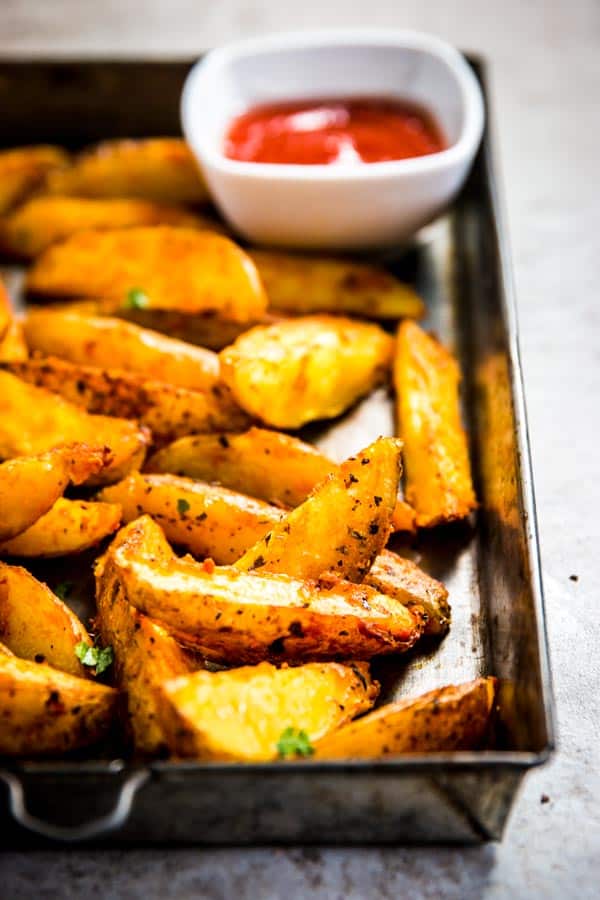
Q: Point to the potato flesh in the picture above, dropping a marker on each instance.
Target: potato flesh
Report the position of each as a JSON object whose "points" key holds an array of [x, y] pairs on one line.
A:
{"points": [[35, 624], [299, 370], [436, 456], [70, 526], [450, 718], [23, 169], [240, 714], [405, 581]]}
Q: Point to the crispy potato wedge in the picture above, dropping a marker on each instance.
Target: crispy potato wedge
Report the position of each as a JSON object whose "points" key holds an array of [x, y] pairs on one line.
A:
{"points": [[33, 420], [43, 220], [199, 272], [205, 519], [70, 526], [298, 370], [30, 485], [45, 711], [401, 578], [302, 284], [35, 624], [403, 518], [436, 456], [159, 169], [168, 411], [450, 718], [240, 714], [236, 617], [343, 524], [23, 169]]}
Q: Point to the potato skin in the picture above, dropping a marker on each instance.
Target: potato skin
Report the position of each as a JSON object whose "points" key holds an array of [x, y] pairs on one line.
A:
{"points": [[299, 370], [436, 456], [205, 519], [35, 624], [455, 717], [239, 714], [70, 526], [23, 169], [46, 712], [175, 268]]}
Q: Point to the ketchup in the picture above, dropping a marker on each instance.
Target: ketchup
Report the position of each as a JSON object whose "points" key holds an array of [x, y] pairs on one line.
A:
{"points": [[335, 131]]}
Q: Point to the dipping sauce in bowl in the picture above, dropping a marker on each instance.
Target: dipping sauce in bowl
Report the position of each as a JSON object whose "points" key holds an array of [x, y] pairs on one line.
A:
{"points": [[333, 132]]}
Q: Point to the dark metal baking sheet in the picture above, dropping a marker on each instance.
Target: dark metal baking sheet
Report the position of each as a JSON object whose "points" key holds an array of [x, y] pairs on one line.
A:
{"points": [[460, 264]]}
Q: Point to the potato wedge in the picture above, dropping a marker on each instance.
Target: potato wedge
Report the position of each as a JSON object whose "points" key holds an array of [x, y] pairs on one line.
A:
{"points": [[241, 714], [436, 456], [450, 718], [205, 519], [70, 526], [342, 526], [35, 624], [43, 220], [302, 284], [168, 411], [236, 617], [30, 485], [159, 169], [23, 169], [198, 272], [402, 579], [45, 711], [403, 518], [33, 420], [298, 370], [12, 346]]}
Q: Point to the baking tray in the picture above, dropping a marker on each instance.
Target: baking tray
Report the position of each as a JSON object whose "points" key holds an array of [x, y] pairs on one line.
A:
{"points": [[461, 266]]}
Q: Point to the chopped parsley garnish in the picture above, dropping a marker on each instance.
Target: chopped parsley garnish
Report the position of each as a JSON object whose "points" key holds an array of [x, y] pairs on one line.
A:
{"points": [[294, 742], [136, 299], [63, 589], [182, 506], [98, 658]]}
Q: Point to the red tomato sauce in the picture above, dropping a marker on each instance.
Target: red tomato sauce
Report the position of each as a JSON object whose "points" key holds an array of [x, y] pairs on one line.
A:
{"points": [[335, 131]]}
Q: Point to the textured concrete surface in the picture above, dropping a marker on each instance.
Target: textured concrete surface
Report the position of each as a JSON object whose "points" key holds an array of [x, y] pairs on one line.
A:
{"points": [[546, 86]]}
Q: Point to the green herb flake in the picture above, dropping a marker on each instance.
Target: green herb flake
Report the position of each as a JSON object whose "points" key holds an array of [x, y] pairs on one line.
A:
{"points": [[98, 658], [136, 299], [294, 742], [63, 589], [182, 506]]}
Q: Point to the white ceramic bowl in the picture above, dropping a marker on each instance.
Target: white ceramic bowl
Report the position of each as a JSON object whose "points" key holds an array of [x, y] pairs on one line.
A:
{"points": [[358, 206]]}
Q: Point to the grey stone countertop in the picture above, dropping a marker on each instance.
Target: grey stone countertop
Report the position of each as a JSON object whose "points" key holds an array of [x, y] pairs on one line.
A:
{"points": [[545, 68]]}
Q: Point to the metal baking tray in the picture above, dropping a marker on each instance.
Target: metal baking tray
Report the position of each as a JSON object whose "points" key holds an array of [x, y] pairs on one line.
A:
{"points": [[461, 266]]}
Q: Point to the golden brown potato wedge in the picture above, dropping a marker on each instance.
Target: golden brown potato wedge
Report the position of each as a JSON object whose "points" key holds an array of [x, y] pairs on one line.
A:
{"points": [[450, 718], [401, 578], [45, 220], [343, 524], [159, 169], [23, 169], [35, 624], [69, 527], [33, 420], [205, 519], [45, 711], [199, 272], [168, 411], [436, 456], [298, 370], [301, 284], [403, 518], [241, 714], [30, 485], [236, 617]]}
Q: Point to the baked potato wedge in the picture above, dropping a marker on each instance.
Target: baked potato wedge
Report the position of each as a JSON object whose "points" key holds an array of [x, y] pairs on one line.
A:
{"points": [[436, 456], [48, 712], [402, 579], [237, 617], [158, 169], [455, 717], [23, 169], [198, 272], [241, 714], [30, 485], [70, 526], [302, 284], [35, 624], [205, 519], [34, 420], [299, 370], [343, 524], [44, 220]]}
